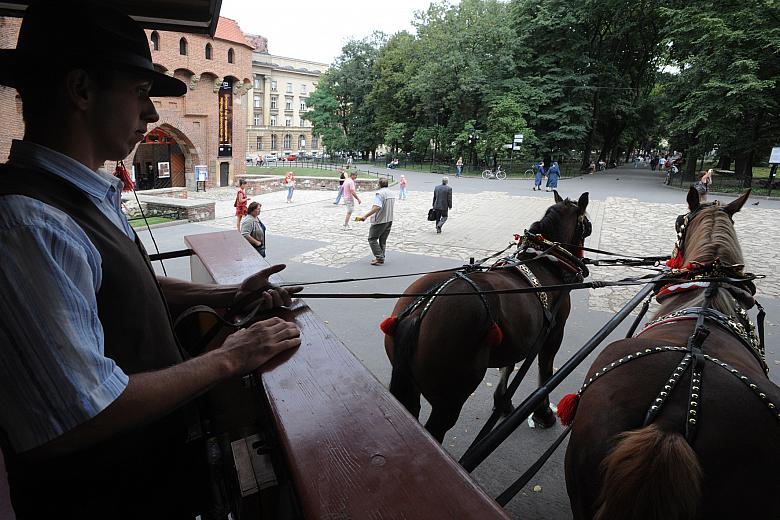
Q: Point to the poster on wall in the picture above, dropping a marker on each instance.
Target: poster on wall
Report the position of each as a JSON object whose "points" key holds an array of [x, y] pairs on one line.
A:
{"points": [[132, 173], [163, 170], [201, 173]]}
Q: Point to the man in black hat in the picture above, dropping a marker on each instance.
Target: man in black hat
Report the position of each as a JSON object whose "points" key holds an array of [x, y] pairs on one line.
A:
{"points": [[94, 388]]}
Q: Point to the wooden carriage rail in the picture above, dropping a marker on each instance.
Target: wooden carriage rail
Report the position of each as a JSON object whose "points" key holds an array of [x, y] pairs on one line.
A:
{"points": [[351, 449]]}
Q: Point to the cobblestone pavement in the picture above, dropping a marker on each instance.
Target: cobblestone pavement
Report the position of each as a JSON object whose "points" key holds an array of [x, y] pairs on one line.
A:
{"points": [[483, 223]]}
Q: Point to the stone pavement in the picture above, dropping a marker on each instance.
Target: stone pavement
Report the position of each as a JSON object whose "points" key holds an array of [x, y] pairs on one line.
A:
{"points": [[483, 223]]}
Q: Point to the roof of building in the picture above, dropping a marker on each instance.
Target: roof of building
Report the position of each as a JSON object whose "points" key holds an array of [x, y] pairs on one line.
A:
{"points": [[228, 29]]}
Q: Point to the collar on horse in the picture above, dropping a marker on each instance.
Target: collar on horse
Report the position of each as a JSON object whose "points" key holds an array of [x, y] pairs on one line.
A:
{"points": [[537, 245], [694, 358]]}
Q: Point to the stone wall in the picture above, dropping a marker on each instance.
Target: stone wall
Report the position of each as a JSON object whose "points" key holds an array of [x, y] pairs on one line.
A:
{"points": [[174, 193], [257, 184], [180, 209]]}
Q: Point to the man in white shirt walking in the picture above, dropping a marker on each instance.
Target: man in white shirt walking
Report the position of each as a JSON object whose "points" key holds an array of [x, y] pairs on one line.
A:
{"points": [[381, 214]]}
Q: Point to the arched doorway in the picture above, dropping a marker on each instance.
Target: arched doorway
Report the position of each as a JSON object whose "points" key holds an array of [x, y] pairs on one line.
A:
{"points": [[159, 161]]}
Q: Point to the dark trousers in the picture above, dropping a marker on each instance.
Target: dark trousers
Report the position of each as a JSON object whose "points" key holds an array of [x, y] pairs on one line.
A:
{"points": [[377, 238], [442, 218]]}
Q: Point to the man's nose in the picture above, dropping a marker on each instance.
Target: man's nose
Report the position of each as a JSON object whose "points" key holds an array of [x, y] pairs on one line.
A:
{"points": [[150, 114]]}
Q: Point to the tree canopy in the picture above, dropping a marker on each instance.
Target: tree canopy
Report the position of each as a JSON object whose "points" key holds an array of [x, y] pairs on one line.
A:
{"points": [[583, 78]]}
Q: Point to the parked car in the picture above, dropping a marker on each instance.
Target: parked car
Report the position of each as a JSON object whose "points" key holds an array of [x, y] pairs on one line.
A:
{"points": [[291, 157], [269, 157]]}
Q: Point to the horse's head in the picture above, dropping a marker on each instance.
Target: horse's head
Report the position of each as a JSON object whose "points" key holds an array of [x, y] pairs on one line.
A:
{"points": [[566, 221], [707, 232]]}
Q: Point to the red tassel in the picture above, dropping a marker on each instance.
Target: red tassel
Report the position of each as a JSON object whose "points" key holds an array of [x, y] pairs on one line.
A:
{"points": [[388, 325], [676, 261], [123, 175], [567, 407], [494, 335]]}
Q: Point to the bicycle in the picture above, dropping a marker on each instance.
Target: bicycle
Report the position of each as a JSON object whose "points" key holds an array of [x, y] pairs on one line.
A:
{"points": [[498, 174]]}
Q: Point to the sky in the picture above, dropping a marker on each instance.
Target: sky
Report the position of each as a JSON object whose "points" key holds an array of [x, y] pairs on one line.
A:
{"points": [[317, 29]]}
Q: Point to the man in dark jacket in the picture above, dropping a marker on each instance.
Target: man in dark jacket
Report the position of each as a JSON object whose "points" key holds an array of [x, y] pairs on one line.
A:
{"points": [[442, 202], [96, 418]]}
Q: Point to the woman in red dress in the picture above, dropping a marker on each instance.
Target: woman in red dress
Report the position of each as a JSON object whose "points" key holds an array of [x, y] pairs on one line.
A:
{"points": [[240, 203]]}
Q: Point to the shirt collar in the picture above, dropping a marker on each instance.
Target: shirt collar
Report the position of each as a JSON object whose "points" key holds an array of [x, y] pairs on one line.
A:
{"points": [[31, 155]]}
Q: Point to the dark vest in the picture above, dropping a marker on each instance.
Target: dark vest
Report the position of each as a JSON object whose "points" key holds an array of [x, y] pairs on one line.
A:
{"points": [[120, 477]]}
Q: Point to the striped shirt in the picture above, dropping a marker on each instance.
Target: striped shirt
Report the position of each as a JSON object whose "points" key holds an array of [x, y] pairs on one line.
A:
{"points": [[53, 374]]}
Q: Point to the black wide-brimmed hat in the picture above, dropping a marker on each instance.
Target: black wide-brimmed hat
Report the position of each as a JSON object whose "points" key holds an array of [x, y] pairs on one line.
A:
{"points": [[81, 33]]}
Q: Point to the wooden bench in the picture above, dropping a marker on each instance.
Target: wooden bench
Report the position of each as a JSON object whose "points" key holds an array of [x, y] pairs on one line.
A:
{"points": [[441, 169], [352, 451]]}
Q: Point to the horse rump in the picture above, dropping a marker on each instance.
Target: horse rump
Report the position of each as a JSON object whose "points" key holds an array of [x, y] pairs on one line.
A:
{"points": [[650, 474]]}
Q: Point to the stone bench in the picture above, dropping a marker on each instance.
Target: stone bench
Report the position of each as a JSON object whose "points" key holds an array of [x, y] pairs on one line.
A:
{"points": [[181, 209]]}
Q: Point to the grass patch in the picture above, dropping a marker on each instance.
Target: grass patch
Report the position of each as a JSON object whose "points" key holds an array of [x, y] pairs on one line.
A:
{"points": [[139, 222]]}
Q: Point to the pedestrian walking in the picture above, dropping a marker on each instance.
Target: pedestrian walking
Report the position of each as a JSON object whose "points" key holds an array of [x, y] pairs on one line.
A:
{"points": [[342, 178], [402, 188], [350, 195], [459, 167], [538, 174], [552, 176], [442, 202], [289, 183], [381, 214], [253, 229], [240, 202], [98, 401], [703, 184], [349, 161]]}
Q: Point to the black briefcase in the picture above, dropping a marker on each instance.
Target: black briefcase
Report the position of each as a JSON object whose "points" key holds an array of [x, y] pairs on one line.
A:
{"points": [[433, 214]]}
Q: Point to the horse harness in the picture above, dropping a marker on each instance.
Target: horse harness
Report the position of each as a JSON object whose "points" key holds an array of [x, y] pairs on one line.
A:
{"points": [[694, 357], [535, 246]]}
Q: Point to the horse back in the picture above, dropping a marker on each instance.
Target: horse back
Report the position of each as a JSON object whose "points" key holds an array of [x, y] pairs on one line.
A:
{"points": [[737, 440]]}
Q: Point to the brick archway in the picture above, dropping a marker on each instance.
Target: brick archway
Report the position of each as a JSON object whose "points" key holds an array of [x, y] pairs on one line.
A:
{"points": [[191, 152]]}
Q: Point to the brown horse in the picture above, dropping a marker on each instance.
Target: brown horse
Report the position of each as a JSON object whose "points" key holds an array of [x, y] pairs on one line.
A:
{"points": [[441, 347], [682, 421]]}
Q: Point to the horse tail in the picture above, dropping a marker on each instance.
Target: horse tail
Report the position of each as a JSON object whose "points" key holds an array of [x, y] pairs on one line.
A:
{"points": [[650, 474], [405, 339]]}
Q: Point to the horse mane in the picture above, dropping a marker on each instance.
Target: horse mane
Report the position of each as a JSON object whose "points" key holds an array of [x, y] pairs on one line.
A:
{"points": [[713, 236]]}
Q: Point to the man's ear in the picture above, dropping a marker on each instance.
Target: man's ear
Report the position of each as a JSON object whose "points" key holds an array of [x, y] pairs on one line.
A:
{"points": [[78, 88]]}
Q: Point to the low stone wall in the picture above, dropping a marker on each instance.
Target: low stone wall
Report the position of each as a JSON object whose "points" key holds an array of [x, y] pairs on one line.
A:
{"points": [[181, 209], [257, 184], [174, 193]]}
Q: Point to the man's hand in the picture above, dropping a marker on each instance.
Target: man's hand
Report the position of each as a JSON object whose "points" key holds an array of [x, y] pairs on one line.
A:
{"points": [[252, 347], [257, 289]]}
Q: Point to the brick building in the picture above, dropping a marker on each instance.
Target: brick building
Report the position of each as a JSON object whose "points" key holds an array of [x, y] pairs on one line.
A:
{"points": [[207, 126]]}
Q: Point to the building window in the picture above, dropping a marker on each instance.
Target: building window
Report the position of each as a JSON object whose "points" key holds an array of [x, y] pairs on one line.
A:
{"points": [[208, 51], [231, 56], [287, 141], [258, 101], [314, 142], [289, 88], [273, 120], [273, 141], [273, 85], [258, 118], [274, 102], [288, 121], [288, 104], [303, 105], [302, 142], [258, 83], [303, 88], [155, 41], [183, 47], [302, 122], [259, 143]]}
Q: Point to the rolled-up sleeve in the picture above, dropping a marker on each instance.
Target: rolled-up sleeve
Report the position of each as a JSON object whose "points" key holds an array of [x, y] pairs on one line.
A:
{"points": [[54, 373]]}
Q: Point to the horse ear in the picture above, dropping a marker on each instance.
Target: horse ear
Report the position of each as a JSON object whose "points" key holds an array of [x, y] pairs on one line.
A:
{"points": [[583, 202], [693, 199], [736, 205], [558, 198]]}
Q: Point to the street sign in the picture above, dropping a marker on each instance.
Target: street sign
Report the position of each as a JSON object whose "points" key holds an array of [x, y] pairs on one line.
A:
{"points": [[518, 139], [774, 157], [517, 147], [507, 146]]}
